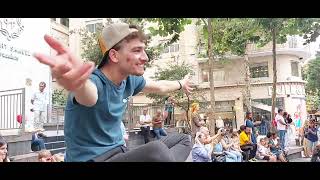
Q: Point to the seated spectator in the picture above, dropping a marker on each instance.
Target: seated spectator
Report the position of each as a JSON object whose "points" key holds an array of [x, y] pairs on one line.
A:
{"points": [[274, 146], [264, 152], [3, 150], [199, 152], [210, 140], [157, 122], [219, 155], [37, 143], [45, 156], [227, 144], [246, 143]]}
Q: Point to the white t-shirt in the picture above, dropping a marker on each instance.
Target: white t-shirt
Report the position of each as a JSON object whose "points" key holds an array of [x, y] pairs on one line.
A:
{"points": [[279, 125], [145, 118], [40, 101]]}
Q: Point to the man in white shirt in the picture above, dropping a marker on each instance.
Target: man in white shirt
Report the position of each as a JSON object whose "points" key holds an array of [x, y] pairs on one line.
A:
{"points": [[145, 122], [39, 101], [282, 127]]}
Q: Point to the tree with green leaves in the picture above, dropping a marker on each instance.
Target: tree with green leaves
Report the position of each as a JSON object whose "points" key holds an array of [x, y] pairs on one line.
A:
{"points": [[277, 30], [223, 37], [312, 76], [59, 98]]}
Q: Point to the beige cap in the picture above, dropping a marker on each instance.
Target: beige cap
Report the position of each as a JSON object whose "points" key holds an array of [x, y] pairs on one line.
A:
{"points": [[113, 34]]}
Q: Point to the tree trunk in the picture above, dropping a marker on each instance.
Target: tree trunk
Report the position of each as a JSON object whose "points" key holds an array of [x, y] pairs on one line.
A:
{"points": [[274, 85], [211, 80], [247, 82]]}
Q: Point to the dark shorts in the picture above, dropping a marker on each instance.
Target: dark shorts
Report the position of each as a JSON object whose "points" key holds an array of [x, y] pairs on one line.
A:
{"points": [[266, 158]]}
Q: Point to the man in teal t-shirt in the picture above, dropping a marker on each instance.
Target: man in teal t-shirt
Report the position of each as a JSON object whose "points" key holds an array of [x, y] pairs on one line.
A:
{"points": [[98, 98]]}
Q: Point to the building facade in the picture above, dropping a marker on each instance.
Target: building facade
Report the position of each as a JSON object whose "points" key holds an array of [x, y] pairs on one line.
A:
{"points": [[228, 76]]}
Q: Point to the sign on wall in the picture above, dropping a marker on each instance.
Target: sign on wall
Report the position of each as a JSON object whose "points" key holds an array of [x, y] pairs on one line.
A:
{"points": [[288, 89]]}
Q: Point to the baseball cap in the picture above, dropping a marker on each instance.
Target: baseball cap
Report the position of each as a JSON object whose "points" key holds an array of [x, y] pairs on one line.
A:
{"points": [[113, 34]]}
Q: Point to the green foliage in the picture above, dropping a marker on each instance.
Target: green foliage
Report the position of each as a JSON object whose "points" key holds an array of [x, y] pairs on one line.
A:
{"points": [[176, 72], [59, 98], [308, 28], [90, 46], [313, 100], [312, 75], [167, 26], [230, 35]]}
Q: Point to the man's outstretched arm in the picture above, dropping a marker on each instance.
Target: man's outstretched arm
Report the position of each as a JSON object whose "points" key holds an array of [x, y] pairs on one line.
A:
{"points": [[163, 86], [70, 72]]}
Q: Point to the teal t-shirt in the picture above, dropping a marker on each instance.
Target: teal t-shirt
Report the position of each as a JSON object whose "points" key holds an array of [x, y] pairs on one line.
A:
{"points": [[91, 131]]}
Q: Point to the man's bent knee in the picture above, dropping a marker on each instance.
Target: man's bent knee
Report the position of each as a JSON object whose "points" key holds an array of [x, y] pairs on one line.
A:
{"points": [[157, 151]]}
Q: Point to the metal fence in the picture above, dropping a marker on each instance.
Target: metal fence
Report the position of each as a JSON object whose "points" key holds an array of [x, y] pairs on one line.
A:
{"points": [[12, 106], [134, 110], [57, 114]]}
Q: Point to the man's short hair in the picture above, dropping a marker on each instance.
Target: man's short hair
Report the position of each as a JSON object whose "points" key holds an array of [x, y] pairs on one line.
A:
{"points": [[280, 110], [242, 127]]}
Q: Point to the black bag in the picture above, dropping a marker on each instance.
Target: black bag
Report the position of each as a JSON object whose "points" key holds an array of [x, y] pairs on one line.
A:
{"points": [[219, 158]]}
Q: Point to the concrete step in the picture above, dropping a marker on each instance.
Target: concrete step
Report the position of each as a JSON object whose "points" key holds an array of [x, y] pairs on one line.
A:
{"points": [[294, 152], [58, 150], [30, 157], [55, 144], [53, 139], [53, 126]]}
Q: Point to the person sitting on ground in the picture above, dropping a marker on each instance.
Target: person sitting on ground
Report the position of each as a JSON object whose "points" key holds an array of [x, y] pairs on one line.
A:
{"points": [[236, 144], [274, 146], [246, 143], [199, 152], [37, 143], [3, 150], [264, 152], [45, 156], [209, 140], [219, 150], [227, 145], [157, 122]]}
